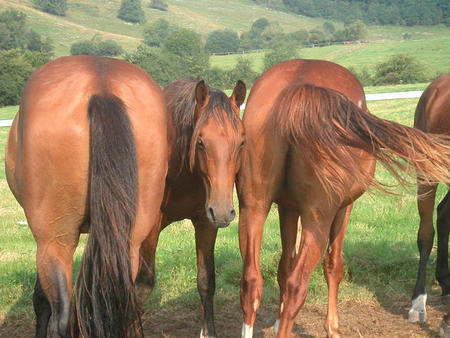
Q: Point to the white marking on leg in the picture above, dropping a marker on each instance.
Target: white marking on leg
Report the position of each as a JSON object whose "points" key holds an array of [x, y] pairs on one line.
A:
{"points": [[418, 311], [298, 239], [201, 333], [247, 331], [281, 308], [275, 326], [255, 305]]}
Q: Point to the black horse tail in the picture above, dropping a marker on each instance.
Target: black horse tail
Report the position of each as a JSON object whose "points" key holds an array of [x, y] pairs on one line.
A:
{"points": [[105, 301], [326, 125]]}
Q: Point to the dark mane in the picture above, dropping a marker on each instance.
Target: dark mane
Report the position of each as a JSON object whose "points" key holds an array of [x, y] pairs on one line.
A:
{"points": [[181, 104]]}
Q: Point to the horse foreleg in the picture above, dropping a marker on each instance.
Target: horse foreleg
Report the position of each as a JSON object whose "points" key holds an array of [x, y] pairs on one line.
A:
{"points": [[205, 238], [425, 237], [251, 224], [315, 234], [333, 268], [443, 229]]}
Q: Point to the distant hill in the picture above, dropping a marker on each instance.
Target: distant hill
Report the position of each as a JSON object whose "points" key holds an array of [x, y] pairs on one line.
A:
{"points": [[85, 18]]}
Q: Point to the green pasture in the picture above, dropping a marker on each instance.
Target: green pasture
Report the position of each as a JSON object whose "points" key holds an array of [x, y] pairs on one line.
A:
{"points": [[380, 249], [432, 52]]}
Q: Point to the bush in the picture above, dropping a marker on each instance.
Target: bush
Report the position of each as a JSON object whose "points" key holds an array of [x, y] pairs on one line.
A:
{"points": [[109, 48], [12, 29], [185, 48], [85, 47], [400, 68], [162, 69], [57, 7], [242, 71], [283, 52], [222, 41], [218, 78], [363, 76], [131, 11], [15, 68], [159, 4], [156, 32]]}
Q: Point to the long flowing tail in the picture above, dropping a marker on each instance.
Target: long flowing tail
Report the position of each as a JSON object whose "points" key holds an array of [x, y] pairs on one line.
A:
{"points": [[105, 304], [327, 127]]}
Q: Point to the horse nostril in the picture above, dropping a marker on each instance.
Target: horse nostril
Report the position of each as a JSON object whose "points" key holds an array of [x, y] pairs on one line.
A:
{"points": [[232, 214], [211, 214]]}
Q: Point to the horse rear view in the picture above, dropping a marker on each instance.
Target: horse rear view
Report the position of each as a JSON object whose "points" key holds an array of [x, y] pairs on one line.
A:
{"points": [[88, 151], [432, 116]]}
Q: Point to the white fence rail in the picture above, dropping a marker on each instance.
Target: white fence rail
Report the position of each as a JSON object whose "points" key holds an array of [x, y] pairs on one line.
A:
{"points": [[369, 97]]}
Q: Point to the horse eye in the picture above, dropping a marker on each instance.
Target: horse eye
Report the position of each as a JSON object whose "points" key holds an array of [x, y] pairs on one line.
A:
{"points": [[200, 143], [242, 144]]}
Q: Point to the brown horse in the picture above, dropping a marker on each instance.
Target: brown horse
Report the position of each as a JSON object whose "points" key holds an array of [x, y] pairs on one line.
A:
{"points": [[432, 116], [206, 136], [311, 147], [88, 151]]}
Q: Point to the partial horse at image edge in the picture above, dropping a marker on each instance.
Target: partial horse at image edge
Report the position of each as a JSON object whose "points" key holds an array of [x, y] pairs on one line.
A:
{"points": [[71, 166]]}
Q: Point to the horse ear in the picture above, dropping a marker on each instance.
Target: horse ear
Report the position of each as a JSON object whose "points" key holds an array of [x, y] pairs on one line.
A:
{"points": [[201, 93], [239, 93]]}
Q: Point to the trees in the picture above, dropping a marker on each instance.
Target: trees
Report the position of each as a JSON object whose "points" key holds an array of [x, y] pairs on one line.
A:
{"points": [[156, 32], [185, 48], [95, 46], [131, 11], [12, 29], [284, 51], [399, 68], [57, 7], [222, 41]]}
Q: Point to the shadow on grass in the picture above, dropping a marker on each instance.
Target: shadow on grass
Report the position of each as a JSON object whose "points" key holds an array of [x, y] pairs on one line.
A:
{"points": [[392, 280]]}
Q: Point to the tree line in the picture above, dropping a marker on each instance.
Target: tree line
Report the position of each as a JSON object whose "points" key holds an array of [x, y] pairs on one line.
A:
{"points": [[382, 12]]}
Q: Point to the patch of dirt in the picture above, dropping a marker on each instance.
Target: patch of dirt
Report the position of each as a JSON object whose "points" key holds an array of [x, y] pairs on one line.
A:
{"points": [[357, 320]]}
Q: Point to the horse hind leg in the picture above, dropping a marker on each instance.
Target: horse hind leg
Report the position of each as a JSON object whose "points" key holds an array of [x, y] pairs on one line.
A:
{"points": [[333, 267], [42, 309], [443, 230], [425, 237], [315, 233], [54, 259], [290, 231]]}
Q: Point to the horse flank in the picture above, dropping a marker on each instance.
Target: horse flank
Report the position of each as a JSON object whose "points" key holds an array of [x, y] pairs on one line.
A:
{"points": [[326, 125]]}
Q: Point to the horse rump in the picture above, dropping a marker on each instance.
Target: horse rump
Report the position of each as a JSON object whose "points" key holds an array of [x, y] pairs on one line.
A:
{"points": [[328, 127]]}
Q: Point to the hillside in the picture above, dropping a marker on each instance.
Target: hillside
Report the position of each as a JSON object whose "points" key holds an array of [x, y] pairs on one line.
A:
{"points": [[85, 18]]}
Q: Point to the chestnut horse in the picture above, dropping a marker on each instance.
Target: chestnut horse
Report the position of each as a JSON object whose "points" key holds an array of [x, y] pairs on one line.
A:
{"points": [[311, 147], [206, 136], [88, 151], [432, 116]]}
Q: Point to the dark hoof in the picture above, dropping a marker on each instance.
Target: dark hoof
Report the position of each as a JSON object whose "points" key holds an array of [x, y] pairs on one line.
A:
{"points": [[445, 299]]}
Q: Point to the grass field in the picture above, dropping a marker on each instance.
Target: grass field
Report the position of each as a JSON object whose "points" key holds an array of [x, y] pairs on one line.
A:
{"points": [[380, 249], [433, 53]]}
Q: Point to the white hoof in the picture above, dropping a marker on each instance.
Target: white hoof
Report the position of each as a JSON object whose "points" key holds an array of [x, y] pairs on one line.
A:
{"points": [[275, 326], [418, 312], [247, 331]]}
